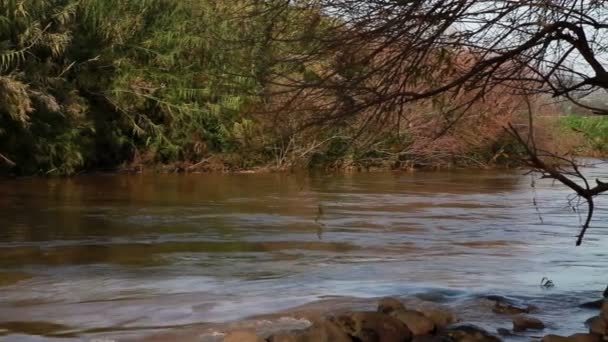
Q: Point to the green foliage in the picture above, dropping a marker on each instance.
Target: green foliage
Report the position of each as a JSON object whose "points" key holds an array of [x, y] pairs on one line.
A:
{"points": [[594, 129], [42, 118], [90, 84], [93, 83]]}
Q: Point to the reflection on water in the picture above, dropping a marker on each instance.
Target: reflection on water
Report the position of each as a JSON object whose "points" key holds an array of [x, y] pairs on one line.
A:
{"points": [[109, 254]]}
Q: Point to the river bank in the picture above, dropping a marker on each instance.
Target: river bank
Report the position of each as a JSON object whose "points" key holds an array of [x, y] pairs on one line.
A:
{"points": [[434, 315], [397, 319]]}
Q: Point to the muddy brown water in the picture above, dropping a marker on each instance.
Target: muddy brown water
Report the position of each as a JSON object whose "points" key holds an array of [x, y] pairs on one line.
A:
{"points": [[117, 256]]}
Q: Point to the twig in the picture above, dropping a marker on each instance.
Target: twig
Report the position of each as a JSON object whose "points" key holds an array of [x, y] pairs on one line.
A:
{"points": [[554, 172], [8, 161], [191, 167]]}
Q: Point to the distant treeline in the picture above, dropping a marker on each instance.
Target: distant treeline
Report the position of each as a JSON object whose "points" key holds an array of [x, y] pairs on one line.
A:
{"points": [[186, 85]]}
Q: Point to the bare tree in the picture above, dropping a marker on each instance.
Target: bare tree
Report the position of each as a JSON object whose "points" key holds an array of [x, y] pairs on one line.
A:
{"points": [[377, 56]]}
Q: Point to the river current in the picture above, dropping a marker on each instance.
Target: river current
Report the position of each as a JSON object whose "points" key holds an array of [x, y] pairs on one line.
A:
{"points": [[125, 256]]}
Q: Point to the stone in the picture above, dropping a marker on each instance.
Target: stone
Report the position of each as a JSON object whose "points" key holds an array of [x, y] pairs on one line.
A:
{"points": [[523, 323], [320, 331], [418, 323], [390, 304], [373, 327], [596, 304], [496, 298], [441, 316], [604, 311], [572, 338], [503, 305], [509, 308], [243, 336], [469, 333], [597, 325]]}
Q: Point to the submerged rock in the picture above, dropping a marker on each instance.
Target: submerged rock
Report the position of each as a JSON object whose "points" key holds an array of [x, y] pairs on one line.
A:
{"points": [[442, 317], [390, 304], [469, 333], [418, 323], [320, 331], [509, 309], [496, 298], [523, 323], [243, 336], [504, 332], [503, 305], [373, 327], [596, 304], [572, 338]]}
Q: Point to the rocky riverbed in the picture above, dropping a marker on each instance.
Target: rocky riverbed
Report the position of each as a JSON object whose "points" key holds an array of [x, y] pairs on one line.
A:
{"points": [[394, 321]]}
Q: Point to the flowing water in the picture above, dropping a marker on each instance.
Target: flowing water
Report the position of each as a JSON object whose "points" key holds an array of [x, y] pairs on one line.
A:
{"points": [[117, 256]]}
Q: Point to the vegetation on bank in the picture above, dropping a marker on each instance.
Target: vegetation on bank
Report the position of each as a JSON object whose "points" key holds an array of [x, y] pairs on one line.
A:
{"points": [[87, 84], [183, 85], [593, 130]]}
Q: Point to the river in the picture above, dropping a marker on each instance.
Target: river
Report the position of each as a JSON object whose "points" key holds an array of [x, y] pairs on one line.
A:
{"points": [[113, 256]]}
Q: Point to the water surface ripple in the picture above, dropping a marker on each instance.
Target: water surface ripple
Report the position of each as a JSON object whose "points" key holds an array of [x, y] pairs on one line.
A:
{"points": [[100, 255]]}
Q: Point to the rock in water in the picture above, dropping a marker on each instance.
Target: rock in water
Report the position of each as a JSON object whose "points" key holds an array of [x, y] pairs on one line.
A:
{"points": [[373, 327], [418, 323], [504, 332], [523, 323], [243, 336], [572, 338], [390, 304], [469, 333], [596, 304], [320, 331], [504, 305], [597, 325], [441, 316], [510, 308]]}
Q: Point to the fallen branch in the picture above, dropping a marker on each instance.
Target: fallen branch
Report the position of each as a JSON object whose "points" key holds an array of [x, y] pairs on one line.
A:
{"points": [[8, 161], [192, 167]]}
